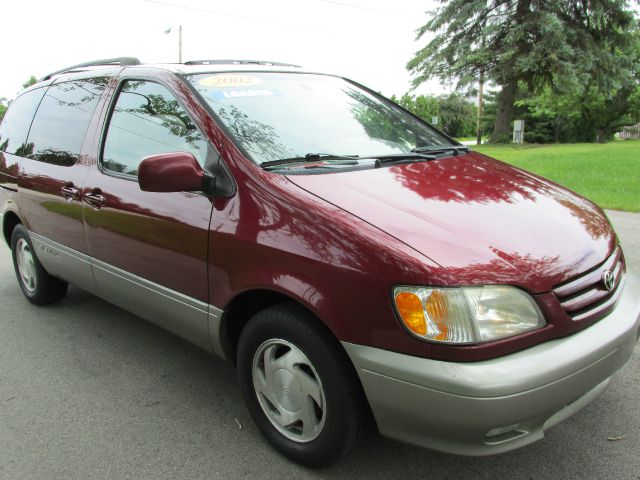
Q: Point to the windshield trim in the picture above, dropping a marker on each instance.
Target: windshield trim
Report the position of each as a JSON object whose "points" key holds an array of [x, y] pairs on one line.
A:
{"points": [[397, 106]]}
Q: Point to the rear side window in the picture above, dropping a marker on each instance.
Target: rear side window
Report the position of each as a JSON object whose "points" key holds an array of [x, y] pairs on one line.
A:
{"points": [[62, 120], [148, 120], [16, 123]]}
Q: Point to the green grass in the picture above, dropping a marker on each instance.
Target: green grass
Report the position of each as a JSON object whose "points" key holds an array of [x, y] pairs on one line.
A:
{"points": [[470, 139], [608, 174], [465, 139]]}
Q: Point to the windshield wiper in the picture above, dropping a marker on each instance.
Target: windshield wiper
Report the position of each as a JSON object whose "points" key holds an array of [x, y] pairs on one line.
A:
{"points": [[408, 157], [312, 157], [441, 149], [337, 160]]}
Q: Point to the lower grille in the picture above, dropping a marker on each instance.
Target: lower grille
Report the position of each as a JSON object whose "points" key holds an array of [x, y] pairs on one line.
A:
{"points": [[593, 294]]}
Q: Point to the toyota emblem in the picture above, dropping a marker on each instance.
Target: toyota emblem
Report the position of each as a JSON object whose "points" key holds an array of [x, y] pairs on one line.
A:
{"points": [[608, 280]]}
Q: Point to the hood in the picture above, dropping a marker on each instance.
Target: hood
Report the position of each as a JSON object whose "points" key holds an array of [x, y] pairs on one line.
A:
{"points": [[484, 221]]}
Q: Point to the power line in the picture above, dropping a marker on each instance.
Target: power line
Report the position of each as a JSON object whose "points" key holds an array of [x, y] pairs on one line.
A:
{"points": [[360, 7], [232, 15], [197, 9]]}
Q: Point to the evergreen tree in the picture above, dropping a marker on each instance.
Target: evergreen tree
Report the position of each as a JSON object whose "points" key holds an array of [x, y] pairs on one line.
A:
{"points": [[535, 43]]}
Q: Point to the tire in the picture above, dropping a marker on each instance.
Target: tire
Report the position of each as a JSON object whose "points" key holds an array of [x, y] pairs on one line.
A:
{"points": [[300, 386], [38, 286]]}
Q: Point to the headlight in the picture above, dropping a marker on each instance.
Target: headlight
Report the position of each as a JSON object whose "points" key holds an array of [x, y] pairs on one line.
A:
{"points": [[467, 314]]}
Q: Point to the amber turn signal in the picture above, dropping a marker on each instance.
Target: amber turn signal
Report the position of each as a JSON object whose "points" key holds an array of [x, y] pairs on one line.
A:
{"points": [[411, 312], [466, 315]]}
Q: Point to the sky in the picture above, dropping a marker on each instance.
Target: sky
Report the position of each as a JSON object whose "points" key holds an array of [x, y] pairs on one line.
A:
{"points": [[369, 41]]}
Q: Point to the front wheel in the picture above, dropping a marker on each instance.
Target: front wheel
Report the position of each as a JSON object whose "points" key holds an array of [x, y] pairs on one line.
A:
{"points": [[299, 386]]}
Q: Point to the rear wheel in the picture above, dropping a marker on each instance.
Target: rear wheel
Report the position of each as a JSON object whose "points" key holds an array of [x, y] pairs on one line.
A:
{"points": [[300, 387], [37, 285]]}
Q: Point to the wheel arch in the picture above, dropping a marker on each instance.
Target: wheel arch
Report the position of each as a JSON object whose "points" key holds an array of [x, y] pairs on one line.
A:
{"points": [[10, 220], [246, 304]]}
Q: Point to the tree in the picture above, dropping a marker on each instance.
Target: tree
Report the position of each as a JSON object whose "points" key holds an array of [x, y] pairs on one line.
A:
{"points": [[634, 106], [457, 115], [525, 43], [31, 81], [3, 107], [594, 113], [425, 107], [609, 109]]}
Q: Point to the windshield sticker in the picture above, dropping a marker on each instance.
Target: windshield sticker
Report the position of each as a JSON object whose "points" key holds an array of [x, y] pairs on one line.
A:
{"points": [[222, 94], [227, 81]]}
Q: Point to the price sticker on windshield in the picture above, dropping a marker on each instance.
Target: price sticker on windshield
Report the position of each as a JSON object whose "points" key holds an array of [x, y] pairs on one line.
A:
{"points": [[223, 94], [229, 81]]}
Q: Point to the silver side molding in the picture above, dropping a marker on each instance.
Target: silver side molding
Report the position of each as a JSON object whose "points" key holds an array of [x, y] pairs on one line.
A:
{"points": [[187, 317], [64, 262], [215, 331]]}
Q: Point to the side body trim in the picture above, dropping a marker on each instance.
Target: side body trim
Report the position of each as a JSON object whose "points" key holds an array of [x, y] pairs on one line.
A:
{"points": [[187, 317], [215, 331], [64, 262]]}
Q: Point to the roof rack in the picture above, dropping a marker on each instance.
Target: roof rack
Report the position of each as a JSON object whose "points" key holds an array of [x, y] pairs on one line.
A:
{"points": [[95, 63], [239, 62]]}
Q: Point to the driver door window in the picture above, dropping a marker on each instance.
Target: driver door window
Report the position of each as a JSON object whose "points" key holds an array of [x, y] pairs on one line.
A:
{"points": [[148, 120]]}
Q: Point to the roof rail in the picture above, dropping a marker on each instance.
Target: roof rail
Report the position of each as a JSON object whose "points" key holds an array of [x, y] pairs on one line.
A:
{"points": [[107, 61], [239, 62]]}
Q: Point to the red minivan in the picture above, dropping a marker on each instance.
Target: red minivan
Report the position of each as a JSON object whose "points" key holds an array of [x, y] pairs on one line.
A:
{"points": [[361, 269]]}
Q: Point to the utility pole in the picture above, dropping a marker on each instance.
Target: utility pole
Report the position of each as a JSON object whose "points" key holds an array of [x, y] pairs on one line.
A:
{"points": [[179, 43], [168, 31], [479, 123]]}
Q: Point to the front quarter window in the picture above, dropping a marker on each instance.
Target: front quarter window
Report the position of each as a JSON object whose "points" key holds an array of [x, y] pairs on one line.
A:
{"points": [[275, 116]]}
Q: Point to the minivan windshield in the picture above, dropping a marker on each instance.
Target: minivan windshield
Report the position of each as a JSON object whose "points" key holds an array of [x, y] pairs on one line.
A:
{"points": [[277, 116]]}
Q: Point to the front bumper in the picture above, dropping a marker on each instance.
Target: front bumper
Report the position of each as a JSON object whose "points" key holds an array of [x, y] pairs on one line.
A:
{"points": [[497, 405]]}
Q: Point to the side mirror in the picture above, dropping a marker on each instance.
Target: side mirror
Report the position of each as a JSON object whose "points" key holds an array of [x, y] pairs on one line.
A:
{"points": [[170, 172]]}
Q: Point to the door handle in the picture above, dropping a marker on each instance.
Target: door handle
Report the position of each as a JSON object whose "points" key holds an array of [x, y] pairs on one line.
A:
{"points": [[70, 192], [95, 198]]}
